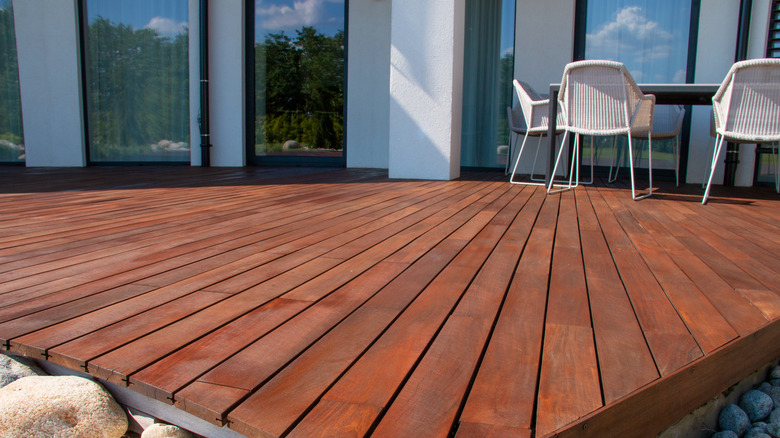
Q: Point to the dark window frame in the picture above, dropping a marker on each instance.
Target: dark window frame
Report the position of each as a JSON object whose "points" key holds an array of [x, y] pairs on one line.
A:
{"points": [[249, 110]]}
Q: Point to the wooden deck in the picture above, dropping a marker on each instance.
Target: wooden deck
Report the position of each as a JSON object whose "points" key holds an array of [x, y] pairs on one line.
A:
{"points": [[304, 302]]}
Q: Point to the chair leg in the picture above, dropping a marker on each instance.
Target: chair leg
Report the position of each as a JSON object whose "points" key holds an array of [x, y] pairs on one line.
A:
{"points": [[512, 145], [650, 168], [536, 155], [615, 161], [557, 162], [517, 161], [776, 160], [709, 151], [677, 160], [715, 154]]}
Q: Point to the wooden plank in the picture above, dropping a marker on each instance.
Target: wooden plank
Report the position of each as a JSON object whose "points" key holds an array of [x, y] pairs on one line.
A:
{"points": [[327, 420], [504, 391], [667, 400], [625, 360], [569, 386], [476, 430], [709, 328], [271, 352], [669, 339]]}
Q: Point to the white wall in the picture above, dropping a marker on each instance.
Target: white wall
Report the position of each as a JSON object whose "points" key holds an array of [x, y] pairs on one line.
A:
{"points": [[226, 83], [544, 42], [426, 88], [368, 90], [50, 82]]}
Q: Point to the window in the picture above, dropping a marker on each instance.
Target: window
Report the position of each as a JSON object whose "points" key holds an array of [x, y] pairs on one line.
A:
{"points": [[11, 136], [297, 54], [487, 82], [773, 42], [137, 75], [651, 37]]}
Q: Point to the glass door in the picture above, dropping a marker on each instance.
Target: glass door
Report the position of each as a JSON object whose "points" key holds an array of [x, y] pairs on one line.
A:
{"points": [[137, 75], [297, 82], [487, 82], [11, 136]]}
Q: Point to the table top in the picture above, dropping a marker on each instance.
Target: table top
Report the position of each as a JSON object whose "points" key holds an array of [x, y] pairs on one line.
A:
{"points": [[681, 94]]}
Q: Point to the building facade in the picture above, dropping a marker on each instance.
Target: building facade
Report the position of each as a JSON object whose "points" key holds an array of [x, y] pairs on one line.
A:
{"points": [[415, 87]]}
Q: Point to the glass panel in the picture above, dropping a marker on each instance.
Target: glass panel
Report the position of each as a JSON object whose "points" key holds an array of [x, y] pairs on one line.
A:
{"points": [[651, 38], [299, 78], [138, 80], [487, 82], [11, 136], [765, 166]]}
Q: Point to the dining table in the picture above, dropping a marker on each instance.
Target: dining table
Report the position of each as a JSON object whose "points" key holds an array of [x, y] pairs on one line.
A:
{"points": [[665, 94]]}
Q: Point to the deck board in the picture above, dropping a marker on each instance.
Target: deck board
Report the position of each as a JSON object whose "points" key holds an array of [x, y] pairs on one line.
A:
{"points": [[337, 302]]}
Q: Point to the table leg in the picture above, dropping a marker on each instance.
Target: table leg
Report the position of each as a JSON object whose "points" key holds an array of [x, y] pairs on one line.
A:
{"points": [[551, 128]]}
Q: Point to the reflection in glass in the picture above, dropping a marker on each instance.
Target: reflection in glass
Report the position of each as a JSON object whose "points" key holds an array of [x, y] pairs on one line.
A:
{"points": [[487, 82], [137, 80], [11, 136], [651, 38], [299, 77]]}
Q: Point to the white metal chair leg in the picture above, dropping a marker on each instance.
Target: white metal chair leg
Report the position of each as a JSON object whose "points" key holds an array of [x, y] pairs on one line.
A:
{"points": [[719, 144], [615, 161], [555, 168], [517, 161]]}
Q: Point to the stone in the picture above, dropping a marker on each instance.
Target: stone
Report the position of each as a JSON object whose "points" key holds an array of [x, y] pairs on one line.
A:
{"points": [[13, 368], [773, 429], [756, 433], [765, 387], [756, 404], [725, 434], [774, 416], [159, 430], [775, 382], [775, 373], [291, 145], [733, 418], [774, 393], [66, 406]]}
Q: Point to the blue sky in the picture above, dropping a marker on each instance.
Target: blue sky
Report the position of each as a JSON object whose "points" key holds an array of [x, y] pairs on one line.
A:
{"points": [[167, 17], [275, 16], [650, 37]]}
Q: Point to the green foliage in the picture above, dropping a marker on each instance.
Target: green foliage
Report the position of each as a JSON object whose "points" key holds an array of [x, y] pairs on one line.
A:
{"points": [[138, 85], [10, 100], [299, 90]]}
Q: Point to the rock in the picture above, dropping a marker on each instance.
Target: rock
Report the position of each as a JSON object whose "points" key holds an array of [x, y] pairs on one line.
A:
{"points": [[291, 145], [158, 430], [773, 429], [756, 404], [46, 406], [756, 433], [733, 418], [774, 393], [775, 373], [14, 368], [774, 416], [725, 434], [765, 387], [775, 382]]}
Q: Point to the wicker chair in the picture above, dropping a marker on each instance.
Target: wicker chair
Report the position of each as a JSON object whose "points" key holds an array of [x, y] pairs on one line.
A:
{"points": [[667, 124], [535, 114], [600, 98], [747, 110]]}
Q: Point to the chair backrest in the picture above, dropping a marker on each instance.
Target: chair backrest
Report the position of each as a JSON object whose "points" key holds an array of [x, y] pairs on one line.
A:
{"points": [[535, 116], [747, 104], [667, 120], [598, 97], [515, 118]]}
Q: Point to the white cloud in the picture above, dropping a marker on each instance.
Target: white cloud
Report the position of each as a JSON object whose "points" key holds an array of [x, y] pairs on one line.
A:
{"points": [[166, 27], [302, 13], [630, 32]]}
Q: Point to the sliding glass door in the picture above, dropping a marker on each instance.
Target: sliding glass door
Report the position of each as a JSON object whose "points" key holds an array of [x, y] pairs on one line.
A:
{"points": [[137, 75], [296, 78], [487, 82], [651, 37], [11, 136]]}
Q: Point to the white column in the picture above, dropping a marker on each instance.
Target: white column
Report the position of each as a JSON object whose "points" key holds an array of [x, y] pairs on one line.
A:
{"points": [[226, 83], [194, 68], [368, 91], [426, 88], [50, 82]]}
